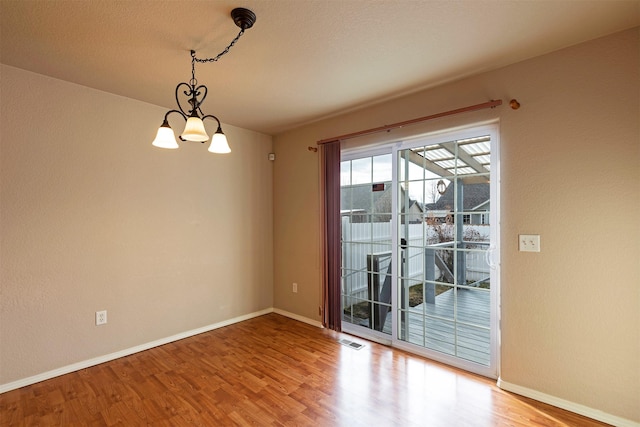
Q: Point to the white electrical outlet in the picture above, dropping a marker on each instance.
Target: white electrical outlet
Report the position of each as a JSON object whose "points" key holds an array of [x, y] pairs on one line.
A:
{"points": [[529, 242], [295, 287], [101, 317]]}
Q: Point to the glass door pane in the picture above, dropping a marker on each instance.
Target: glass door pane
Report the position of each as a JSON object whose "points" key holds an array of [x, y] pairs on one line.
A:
{"points": [[365, 208], [444, 228]]}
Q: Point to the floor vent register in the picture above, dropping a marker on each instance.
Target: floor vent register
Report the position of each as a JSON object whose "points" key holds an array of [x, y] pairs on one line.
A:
{"points": [[351, 344]]}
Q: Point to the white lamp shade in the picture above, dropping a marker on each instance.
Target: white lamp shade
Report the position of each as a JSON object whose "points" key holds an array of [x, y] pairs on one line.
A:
{"points": [[165, 138], [219, 144], [194, 130]]}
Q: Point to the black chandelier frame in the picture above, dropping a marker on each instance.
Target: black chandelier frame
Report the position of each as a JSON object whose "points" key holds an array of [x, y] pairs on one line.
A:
{"points": [[196, 94]]}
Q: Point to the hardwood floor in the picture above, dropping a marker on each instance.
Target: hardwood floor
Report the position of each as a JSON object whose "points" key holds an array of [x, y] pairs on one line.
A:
{"points": [[274, 371]]}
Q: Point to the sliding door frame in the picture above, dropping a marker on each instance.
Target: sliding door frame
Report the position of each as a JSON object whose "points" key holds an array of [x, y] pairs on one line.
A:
{"points": [[493, 255]]}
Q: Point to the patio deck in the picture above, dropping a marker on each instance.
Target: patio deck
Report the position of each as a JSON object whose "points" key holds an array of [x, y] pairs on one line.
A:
{"points": [[432, 325]]}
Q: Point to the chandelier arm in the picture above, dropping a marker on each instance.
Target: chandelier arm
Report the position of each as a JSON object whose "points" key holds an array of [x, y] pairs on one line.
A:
{"points": [[213, 117], [166, 116], [165, 122]]}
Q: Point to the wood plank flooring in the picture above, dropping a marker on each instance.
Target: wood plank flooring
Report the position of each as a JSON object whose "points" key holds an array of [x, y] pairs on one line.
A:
{"points": [[274, 371]]}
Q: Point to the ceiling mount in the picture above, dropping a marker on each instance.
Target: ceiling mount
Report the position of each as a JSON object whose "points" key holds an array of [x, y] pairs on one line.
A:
{"points": [[244, 18]]}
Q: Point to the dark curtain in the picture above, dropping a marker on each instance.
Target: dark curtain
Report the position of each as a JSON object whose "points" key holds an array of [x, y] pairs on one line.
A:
{"points": [[331, 232]]}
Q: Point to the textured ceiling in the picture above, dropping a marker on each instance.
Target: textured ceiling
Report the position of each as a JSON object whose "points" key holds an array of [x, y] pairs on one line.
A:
{"points": [[303, 60]]}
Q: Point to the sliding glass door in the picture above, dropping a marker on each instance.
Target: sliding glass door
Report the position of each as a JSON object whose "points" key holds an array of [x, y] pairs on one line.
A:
{"points": [[419, 238], [446, 278]]}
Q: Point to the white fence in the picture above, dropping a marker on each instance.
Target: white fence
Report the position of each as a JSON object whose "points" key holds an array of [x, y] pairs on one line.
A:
{"points": [[362, 239]]}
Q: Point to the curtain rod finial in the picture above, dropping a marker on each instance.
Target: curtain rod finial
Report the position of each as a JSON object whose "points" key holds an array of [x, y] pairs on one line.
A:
{"points": [[314, 149], [514, 104]]}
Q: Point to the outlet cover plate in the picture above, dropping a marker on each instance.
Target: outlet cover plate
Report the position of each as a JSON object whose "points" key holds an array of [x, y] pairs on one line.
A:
{"points": [[101, 317]]}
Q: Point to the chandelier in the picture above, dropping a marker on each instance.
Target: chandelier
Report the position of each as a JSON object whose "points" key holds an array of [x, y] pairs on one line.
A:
{"points": [[195, 95]]}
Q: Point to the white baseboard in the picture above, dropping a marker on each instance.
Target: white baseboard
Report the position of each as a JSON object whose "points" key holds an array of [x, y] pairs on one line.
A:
{"points": [[126, 352], [298, 318], [565, 404]]}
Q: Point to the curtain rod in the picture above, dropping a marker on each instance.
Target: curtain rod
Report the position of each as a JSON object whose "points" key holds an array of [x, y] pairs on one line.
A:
{"points": [[386, 128]]}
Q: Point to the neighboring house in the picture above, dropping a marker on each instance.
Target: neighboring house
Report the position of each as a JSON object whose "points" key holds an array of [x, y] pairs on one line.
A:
{"points": [[362, 204], [476, 205], [416, 212]]}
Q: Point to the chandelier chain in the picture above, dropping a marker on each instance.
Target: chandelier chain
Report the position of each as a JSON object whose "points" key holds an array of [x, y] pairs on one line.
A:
{"points": [[218, 56]]}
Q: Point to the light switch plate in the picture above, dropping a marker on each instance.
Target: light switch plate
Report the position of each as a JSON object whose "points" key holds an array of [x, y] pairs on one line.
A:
{"points": [[529, 242]]}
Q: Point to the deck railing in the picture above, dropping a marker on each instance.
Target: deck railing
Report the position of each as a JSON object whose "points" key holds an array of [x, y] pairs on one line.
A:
{"points": [[423, 264]]}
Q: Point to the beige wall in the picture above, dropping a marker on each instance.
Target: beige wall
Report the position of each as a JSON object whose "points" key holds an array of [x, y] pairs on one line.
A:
{"points": [[95, 218], [570, 161]]}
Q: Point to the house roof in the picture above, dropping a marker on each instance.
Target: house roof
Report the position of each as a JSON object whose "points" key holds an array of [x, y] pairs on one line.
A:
{"points": [[302, 60], [360, 198], [474, 196]]}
